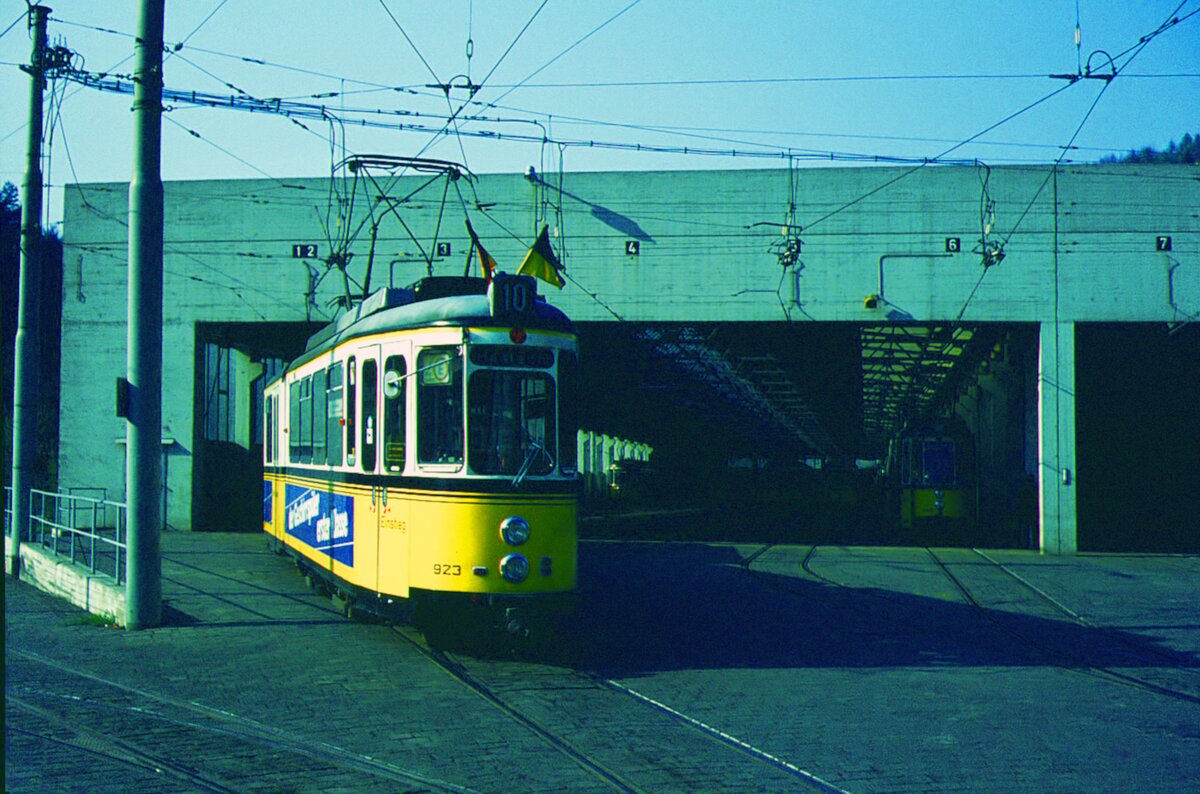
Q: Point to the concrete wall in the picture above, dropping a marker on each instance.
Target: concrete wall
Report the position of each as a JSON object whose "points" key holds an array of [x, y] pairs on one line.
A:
{"points": [[1079, 246], [98, 595]]}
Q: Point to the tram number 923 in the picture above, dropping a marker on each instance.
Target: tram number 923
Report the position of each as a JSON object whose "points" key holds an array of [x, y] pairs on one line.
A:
{"points": [[511, 295], [440, 569]]}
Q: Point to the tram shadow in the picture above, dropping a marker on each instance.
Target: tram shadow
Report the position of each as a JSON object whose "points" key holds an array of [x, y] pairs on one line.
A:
{"points": [[648, 607]]}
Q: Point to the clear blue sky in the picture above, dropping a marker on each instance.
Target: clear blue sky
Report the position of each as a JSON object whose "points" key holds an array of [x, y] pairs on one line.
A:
{"points": [[990, 60]]}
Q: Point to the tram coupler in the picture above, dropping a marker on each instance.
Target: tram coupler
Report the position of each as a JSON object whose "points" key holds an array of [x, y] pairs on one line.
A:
{"points": [[514, 622]]}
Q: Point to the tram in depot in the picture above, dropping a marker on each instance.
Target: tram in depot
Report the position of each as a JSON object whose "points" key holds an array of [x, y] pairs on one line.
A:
{"points": [[932, 475], [420, 456]]}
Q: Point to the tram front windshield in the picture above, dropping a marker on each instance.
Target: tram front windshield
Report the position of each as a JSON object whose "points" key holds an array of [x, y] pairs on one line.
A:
{"points": [[937, 460], [512, 422]]}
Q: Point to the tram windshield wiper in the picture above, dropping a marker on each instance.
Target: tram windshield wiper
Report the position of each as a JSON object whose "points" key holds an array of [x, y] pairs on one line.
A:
{"points": [[535, 447]]}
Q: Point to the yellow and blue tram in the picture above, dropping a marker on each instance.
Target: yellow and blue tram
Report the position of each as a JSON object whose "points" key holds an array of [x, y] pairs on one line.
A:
{"points": [[420, 455], [933, 475]]}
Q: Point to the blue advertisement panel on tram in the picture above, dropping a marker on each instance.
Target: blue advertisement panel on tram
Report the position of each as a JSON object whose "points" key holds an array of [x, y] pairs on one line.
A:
{"points": [[268, 502], [322, 520]]}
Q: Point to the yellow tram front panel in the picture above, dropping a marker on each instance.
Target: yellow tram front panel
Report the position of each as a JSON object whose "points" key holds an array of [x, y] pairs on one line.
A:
{"points": [[919, 504], [456, 545]]}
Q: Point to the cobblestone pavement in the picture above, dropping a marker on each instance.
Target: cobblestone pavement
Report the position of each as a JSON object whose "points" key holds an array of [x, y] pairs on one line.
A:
{"points": [[872, 669]]}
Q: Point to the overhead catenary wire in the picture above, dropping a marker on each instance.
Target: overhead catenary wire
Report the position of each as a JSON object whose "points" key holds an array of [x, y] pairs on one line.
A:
{"points": [[1172, 20], [375, 86], [408, 38], [509, 49], [450, 121], [203, 22], [222, 149], [909, 172], [989, 257], [593, 143], [300, 110], [577, 42], [501, 136], [13, 24]]}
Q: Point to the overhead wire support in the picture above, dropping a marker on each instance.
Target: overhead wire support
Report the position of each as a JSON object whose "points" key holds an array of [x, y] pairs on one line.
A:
{"points": [[294, 110], [143, 427], [468, 86], [1171, 21], [994, 252], [27, 360]]}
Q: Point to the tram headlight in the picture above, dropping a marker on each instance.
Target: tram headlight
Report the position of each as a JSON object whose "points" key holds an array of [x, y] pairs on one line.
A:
{"points": [[514, 530], [514, 568]]}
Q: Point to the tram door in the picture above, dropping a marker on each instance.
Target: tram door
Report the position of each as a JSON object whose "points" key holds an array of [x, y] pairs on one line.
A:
{"points": [[393, 556], [364, 396]]}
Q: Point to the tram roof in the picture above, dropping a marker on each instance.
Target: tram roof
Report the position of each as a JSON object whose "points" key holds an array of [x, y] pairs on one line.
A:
{"points": [[426, 304]]}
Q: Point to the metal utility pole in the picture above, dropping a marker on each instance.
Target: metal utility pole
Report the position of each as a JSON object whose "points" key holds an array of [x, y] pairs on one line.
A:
{"points": [[27, 359], [143, 462]]}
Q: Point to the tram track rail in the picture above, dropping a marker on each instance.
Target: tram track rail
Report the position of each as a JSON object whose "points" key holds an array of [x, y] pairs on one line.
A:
{"points": [[728, 740], [619, 781], [212, 721], [1075, 617], [1062, 659], [456, 670], [615, 780], [1069, 661], [73, 733]]}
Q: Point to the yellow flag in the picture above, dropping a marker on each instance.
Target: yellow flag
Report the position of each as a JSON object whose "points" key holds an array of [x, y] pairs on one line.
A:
{"points": [[541, 261], [486, 263]]}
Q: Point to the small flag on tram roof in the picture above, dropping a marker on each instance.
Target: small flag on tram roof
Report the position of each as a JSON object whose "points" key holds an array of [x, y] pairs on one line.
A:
{"points": [[541, 261], [486, 263]]}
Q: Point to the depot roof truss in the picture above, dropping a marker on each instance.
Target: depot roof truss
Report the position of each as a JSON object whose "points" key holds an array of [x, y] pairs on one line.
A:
{"points": [[910, 371], [752, 393]]}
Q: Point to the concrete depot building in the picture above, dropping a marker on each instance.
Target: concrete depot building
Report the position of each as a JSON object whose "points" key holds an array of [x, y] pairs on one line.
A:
{"points": [[1098, 278]]}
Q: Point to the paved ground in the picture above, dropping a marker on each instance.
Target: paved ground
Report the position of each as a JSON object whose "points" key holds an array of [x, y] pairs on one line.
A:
{"points": [[870, 669]]}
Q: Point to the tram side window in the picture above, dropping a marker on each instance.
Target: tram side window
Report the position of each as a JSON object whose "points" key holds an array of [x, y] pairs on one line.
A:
{"points": [[568, 411], [440, 406], [269, 430], [318, 418], [351, 407], [333, 422], [394, 370], [306, 415], [370, 376], [298, 449]]}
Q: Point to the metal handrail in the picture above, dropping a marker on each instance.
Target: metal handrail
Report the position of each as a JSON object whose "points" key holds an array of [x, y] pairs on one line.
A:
{"points": [[92, 530]]}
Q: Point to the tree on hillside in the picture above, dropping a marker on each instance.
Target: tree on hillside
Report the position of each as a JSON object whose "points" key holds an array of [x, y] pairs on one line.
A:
{"points": [[47, 332], [10, 257], [1186, 151]]}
